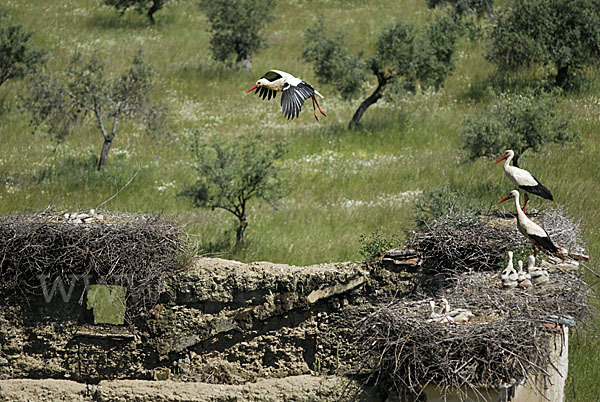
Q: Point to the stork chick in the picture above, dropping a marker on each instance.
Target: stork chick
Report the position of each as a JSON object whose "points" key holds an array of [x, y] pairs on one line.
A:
{"points": [[524, 280], [538, 275], [508, 275]]}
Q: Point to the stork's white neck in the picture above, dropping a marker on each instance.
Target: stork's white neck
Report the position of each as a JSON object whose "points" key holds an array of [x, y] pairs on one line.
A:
{"points": [[520, 214], [507, 161]]}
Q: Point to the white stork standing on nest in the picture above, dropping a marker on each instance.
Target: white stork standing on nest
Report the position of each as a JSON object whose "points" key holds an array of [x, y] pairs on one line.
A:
{"points": [[537, 235], [530, 229], [523, 179], [293, 90]]}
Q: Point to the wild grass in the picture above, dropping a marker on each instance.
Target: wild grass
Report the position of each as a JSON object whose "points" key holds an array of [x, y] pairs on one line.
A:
{"points": [[341, 183]]}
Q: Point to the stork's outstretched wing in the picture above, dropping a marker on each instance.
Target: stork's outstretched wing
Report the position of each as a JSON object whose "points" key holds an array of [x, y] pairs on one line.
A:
{"points": [[265, 92], [293, 98]]}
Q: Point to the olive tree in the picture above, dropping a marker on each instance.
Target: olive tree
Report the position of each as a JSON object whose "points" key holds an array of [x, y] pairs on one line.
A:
{"points": [[520, 122], [86, 90], [406, 57], [236, 27], [17, 54], [564, 35], [231, 173], [465, 7], [141, 6]]}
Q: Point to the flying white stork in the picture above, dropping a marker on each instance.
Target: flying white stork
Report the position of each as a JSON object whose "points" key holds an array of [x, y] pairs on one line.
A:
{"points": [[293, 90], [530, 229], [523, 179]]}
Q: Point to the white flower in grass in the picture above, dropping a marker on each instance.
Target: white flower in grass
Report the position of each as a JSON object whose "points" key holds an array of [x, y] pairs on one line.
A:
{"points": [[121, 153], [163, 187]]}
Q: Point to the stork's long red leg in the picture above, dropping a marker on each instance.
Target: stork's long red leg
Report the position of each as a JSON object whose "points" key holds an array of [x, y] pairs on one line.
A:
{"points": [[317, 102], [314, 109], [526, 199]]}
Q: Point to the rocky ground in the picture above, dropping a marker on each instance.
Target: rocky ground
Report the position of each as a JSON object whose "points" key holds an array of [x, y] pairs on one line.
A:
{"points": [[224, 330]]}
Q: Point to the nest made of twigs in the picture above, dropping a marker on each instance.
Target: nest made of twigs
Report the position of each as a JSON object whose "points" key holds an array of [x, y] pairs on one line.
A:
{"points": [[464, 241], [506, 342], [135, 251]]}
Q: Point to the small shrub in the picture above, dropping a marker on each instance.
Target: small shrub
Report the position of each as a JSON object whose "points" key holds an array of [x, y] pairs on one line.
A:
{"points": [[440, 201], [375, 244]]}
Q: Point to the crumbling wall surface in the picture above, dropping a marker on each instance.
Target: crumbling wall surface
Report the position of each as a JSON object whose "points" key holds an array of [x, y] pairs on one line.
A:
{"points": [[219, 322], [305, 388]]}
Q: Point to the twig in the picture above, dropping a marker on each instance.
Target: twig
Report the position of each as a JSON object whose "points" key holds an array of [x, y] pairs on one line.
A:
{"points": [[590, 270], [121, 189]]}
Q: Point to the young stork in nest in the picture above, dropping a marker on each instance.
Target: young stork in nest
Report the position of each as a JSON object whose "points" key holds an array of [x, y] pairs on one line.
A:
{"points": [[293, 90], [447, 315], [508, 275], [523, 179], [524, 278], [538, 275]]}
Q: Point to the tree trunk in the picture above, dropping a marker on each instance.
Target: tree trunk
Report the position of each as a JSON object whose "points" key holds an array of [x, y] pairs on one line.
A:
{"points": [[153, 8], [562, 76], [239, 233], [104, 154], [374, 97], [244, 60]]}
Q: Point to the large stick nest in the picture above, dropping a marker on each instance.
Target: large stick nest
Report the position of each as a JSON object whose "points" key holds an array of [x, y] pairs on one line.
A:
{"points": [[507, 341], [509, 338], [462, 242], [138, 252]]}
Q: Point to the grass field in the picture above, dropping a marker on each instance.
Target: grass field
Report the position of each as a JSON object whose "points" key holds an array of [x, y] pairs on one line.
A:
{"points": [[341, 183]]}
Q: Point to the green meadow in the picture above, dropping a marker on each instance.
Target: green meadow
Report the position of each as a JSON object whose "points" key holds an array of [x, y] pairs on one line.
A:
{"points": [[340, 183]]}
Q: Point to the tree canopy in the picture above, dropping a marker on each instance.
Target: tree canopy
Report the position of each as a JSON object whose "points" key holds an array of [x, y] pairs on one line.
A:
{"points": [[149, 7], [562, 34], [59, 101], [406, 56], [520, 122], [236, 27], [17, 55], [231, 173], [464, 7]]}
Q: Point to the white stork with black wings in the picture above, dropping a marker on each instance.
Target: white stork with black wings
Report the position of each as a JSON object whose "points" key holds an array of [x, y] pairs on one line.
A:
{"points": [[531, 230], [294, 92], [523, 179]]}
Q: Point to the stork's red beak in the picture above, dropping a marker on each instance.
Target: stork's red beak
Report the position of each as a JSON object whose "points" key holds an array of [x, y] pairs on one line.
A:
{"points": [[504, 199], [501, 159], [252, 89]]}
